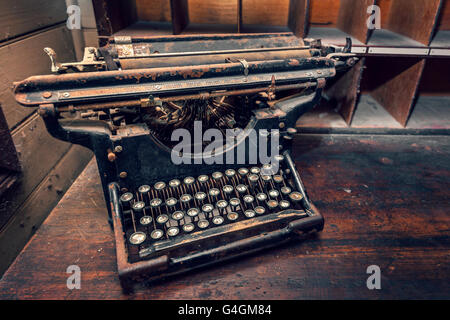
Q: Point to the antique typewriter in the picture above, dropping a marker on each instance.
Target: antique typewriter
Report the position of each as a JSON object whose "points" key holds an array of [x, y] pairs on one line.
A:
{"points": [[125, 100]]}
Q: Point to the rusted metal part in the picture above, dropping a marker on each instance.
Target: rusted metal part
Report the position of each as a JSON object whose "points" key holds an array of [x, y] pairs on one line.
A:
{"points": [[77, 87], [144, 102]]}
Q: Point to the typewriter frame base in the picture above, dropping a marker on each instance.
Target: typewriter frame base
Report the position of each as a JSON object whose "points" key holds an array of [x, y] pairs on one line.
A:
{"points": [[163, 266]]}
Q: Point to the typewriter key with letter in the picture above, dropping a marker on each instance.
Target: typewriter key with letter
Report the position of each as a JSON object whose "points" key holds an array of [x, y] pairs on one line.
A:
{"points": [[173, 231], [218, 220], [156, 234], [260, 210], [232, 216], [162, 219], [146, 220], [188, 227], [249, 213], [203, 224], [178, 215], [137, 238], [125, 200], [193, 212]]}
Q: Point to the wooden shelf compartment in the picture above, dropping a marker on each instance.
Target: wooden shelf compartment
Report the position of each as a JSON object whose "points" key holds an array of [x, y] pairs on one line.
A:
{"points": [[393, 83], [404, 24], [335, 20], [432, 107], [441, 38]]}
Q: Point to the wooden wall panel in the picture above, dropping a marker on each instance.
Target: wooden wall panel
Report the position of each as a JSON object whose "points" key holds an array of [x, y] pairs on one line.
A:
{"points": [[385, 8], [414, 19], [298, 17], [324, 13], [213, 11], [153, 10], [16, 233], [22, 16], [25, 58], [38, 152], [265, 12], [353, 18]]}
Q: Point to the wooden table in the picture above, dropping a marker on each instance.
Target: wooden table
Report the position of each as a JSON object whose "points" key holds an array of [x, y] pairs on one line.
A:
{"points": [[385, 200]]}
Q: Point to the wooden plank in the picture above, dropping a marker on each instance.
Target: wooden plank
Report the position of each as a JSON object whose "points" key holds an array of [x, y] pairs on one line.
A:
{"points": [[353, 18], [213, 11], [38, 152], [265, 12], [153, 10], [324, 13], [444, 17], [384, 198], [25, 58], [414, 19], [393, 83], [19, 17], [8, 159], [180, 15], [385, 8], [345, 91], [298, 17], [113, 15], [38, 205]]}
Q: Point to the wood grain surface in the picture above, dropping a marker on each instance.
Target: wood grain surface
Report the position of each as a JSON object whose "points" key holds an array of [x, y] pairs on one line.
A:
{"points": [[384, 198]]}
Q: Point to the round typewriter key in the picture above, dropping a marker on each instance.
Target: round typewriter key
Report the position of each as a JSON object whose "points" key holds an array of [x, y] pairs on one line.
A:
{"points": [[146, 220], [189, 180], [207, 208], [253, 178], [285, 190], [241, 188], [126, 197], [221, 204], [154, 203], [178, 215], [159, 186], [235, 202], [284, 204], [268, 169], [272, 204], [185, 198], [232, 216], [243, 172], [188, 227], [171, 202], [137, 238], [203, 178], [279, 158], [218, 220], [193, 212], [248, 199], [138, 206], [278, 179], [249, 213], [261, 197], [228, 189], [144, 189], [230, 173], [156, 234], [214, 192], [202, 224], [266, 178], [274, 193], [255, 170], [162, 219], [217, 175], [173, 231], [200, 196], [260, 210], [174, 183], [296, 196]]}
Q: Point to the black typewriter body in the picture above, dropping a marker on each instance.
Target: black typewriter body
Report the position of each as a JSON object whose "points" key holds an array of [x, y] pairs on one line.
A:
{"points": [[124, 100]]}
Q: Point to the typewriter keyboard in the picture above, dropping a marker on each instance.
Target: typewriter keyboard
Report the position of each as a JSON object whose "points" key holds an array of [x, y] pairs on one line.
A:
{"points": [[170, 209]]}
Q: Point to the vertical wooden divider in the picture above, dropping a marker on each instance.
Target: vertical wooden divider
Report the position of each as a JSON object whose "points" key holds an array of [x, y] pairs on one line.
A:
{"points": [[298, 17], [239, 16], [180, 15], [353, 18]]}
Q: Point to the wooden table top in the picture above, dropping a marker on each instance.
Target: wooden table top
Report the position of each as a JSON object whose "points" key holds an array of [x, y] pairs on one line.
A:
{"points": [[385, 200]]}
